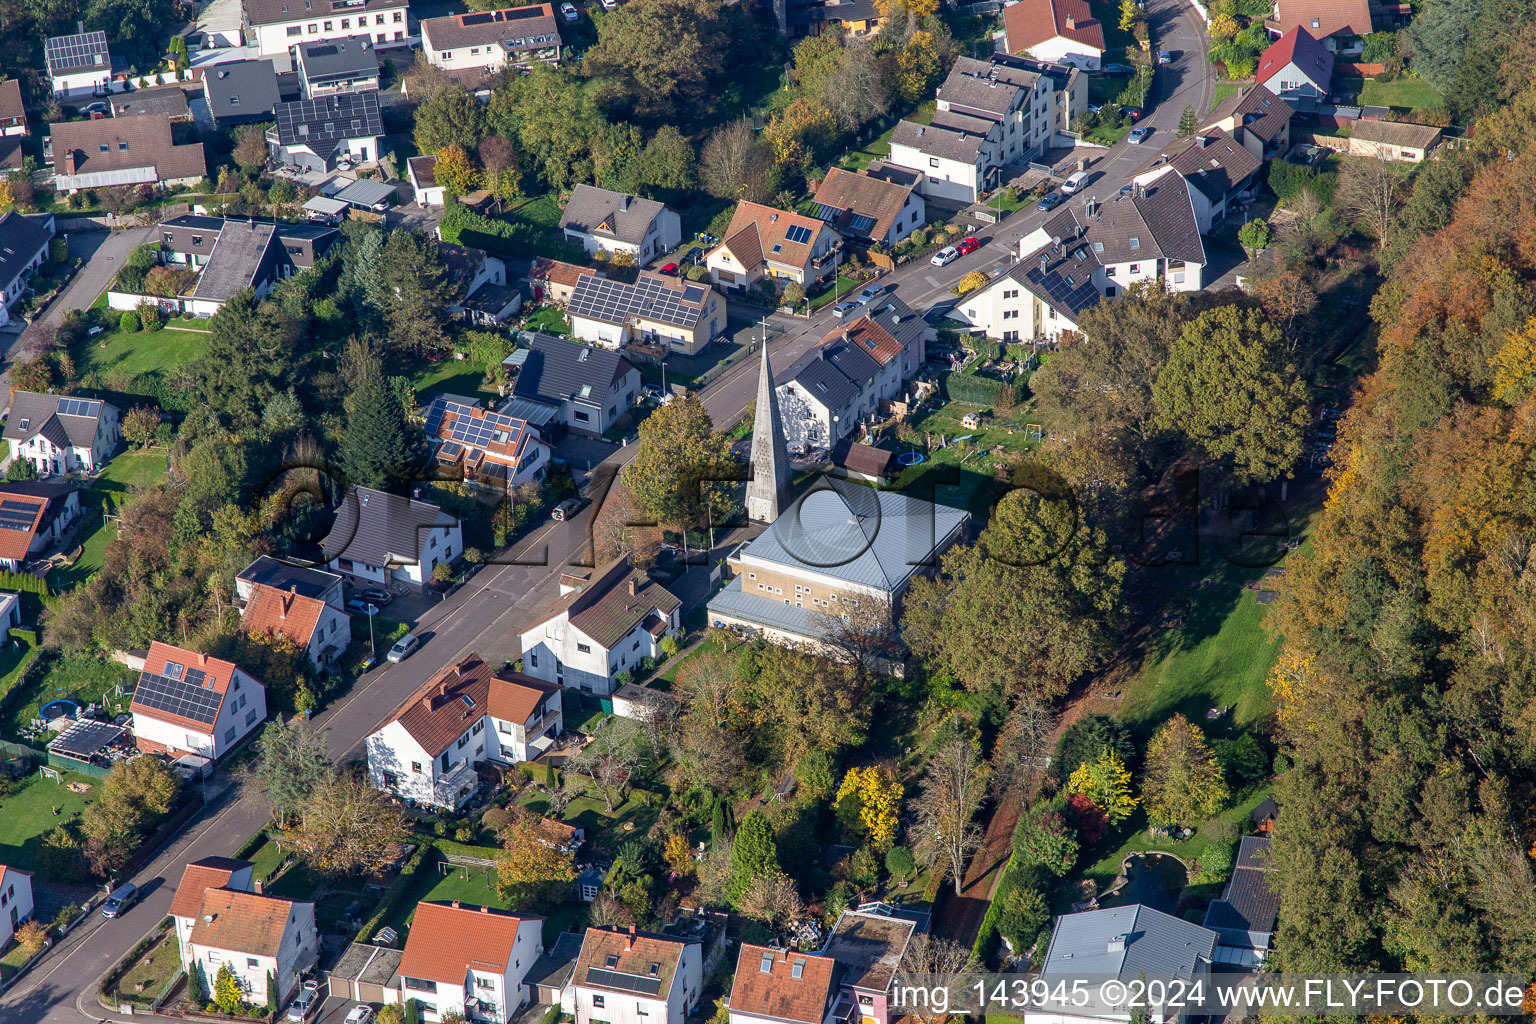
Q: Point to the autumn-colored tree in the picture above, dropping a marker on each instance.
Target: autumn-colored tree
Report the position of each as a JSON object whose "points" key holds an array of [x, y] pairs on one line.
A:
{"points": [[250, 151], [798, 135], [679, 855], [533, 871], [970, 282], [32, 936], [916, 9], [140, 424], [1107, 782], [1288, 299], [1183, 782], [455, 172], [869, 803], [346, 826], [918, 65], [1130, 11], [675, 476], [6, 198], [773, 899], [1514, 365]]}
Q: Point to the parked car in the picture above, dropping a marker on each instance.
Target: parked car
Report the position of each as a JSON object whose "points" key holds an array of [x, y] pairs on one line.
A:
{"points": [[1141, 133], [362, 1013], [1164, 57], [1118, 69], [303, 1004], [1127, 188], [870, 293], [1050, 202], [609, 5], [968, 245], [95, 109], [404, 648], [945, 256], [670, 268], [567, 509], [123, 897], [1093, 108], [357, 606], [569, 11], [375, 595], [843, 308], [1134, 113]]}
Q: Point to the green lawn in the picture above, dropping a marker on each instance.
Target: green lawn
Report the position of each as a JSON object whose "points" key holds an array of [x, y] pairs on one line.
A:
{"points": [[29, 813], [76, 676], [118, 481], [843, 287], [119, 357], [476, 887], [1402, 94], [879, 147], [1223, 90], [630, 820], [450, 376], [549, 319], [150, 974], [962, 474]]}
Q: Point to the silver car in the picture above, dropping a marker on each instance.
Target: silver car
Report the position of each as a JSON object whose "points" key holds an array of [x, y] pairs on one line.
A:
{"points": [[404, 648], [945, 256]]}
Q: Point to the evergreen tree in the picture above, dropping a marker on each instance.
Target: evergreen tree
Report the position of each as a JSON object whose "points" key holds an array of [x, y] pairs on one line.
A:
{"points": [[378, 448], [197, 988], [754, 853], [1189, 123]]}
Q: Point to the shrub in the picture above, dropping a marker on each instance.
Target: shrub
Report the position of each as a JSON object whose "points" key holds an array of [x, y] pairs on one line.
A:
{"points": [[464, 834], [32, 937], [899, 862], [440, 829], [473, 556], [149, 316], [624, 678], [970, 282], [495, 819], [670, 646], [129, 323]]}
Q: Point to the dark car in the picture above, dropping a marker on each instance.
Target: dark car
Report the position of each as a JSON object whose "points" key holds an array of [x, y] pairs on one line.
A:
{"points": [[1118, 69], [1134, 113], [375, 595], [357, 606], [1050, 202]]}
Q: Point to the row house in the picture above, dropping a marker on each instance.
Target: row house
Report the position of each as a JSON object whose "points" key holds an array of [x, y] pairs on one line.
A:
{"points": [[276, 27]]}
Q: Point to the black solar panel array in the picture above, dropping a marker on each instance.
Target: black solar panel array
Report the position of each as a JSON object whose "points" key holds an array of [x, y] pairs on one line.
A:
{"points": [[78, 407], [599, 298], [346, 115], [17, 515], [798, 233], [182, 697], [623, 982], [77, 51]]}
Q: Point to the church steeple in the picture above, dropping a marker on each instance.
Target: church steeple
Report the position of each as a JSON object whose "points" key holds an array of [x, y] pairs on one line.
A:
{"points": [[768, 489]]}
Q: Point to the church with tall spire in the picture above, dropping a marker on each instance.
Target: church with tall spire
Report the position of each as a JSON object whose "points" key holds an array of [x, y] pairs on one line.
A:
{"points": [[768, 489]]}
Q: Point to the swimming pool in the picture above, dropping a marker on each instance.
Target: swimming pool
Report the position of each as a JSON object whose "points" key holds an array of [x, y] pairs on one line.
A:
{"points": [[1155, 879]]}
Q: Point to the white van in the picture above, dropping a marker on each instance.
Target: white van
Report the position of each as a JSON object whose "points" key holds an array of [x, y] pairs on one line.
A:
{"points": [[1075, 183]]}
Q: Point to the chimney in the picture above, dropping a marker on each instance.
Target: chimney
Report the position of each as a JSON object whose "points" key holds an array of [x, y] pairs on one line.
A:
{"points": [[1202, 141], [1071, 21], [455, 904], [631, 586], [629, 942], [624, 203], [1045, 261], [458, 670], [442, 688], [485, 910], [1116, 944], [256, 886]]}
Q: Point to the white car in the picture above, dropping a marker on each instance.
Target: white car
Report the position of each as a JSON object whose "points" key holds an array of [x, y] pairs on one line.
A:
{"points": [[360, 1014], [569, 11], [945, 256], [403, 649]]}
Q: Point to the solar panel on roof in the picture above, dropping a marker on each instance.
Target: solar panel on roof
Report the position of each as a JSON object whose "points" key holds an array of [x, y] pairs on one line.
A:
{"points": [[181, 697], [17, 515], [798, 233], [827, 212], [861, 222], [623, 982], [77, 50]]}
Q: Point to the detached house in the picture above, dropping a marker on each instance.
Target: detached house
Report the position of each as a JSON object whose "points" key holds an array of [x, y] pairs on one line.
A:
{"points": [[1338, 24], [868, 209], [604, 622], [868, 945], [263, 940], [584, 388], [267, 571], [1297, 66], [381, 538], [230, 256], [58, 434], [23, 248], [323, 134], [676, 314], [633, 977], [601, 219], [336, 65], [13, 113], [469, 960], [34, 516], [1059, 31], [189, 703], [489, 448], [321, 630], [278, 26], [1216, 167], [1264, 118], [763, 242], [481, 43], [241, 91], [467, 713], [134, 150], [196, 879], [781, 986], [15, 901], [481, 293], [1244, 918], [79, 66]]}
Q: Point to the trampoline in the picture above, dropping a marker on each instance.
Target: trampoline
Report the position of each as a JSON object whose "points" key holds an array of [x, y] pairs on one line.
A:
{"points": [[911, 458], [62, 708]]}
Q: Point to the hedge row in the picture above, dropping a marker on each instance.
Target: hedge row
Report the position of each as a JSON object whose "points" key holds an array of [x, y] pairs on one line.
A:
{"points": [[967, 387], [396, 890]]}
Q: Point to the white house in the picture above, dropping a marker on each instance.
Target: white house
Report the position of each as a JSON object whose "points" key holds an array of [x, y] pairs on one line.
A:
{"points": [[189, 703], [41, 513], [196, 879], [777, 244], [1057, 31], [469, 960], [599, 219], [1216, 166], [1297, 66], [604, 622], [422, 172], [586, 388], [275, 27], [15, 901], [782, 986], [674, 314], [381, 538], [79, 66], [631, 977], [261, 939], [321, 630], [486, 41], [13, 113], [991, 113], [23, 248], [330, 132], [880, 205], [490, 449], [427, 750], [58, 434]]}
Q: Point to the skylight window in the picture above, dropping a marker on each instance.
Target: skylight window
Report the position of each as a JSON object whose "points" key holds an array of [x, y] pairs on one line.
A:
{"points": [[798, 971], [613, 960], [1135, 242], [767, 965]]}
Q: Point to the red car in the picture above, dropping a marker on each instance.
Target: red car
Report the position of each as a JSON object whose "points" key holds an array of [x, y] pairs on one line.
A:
{"points": [[966, 246], [670, 268]]}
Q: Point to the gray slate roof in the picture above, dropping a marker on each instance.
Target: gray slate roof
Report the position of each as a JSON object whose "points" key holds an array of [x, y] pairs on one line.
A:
{"points": [[1153, 944], [1156, 222], [235, 262], [600, 211], [1255, 108], [338, 58], [823, 381], [241, 88], [554, 968], [858, 535], [170, 100], [270, 572], [32, 413], [558, 370], [268, 12], [1212, 161], [21, 238], [374, 526], [949, 143], [1250, 903]]}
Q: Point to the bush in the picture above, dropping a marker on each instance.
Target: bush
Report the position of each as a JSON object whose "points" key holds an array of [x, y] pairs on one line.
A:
{"points": [[899, 862], [464, 834], [624, 678], [495, 819], [670, 646], [1215, 864], [149, 316], [129, 323]]}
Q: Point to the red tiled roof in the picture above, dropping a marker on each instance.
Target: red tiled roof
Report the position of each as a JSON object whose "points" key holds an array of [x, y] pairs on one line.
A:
{"points": [[198, 878], [776, 992], [559, 272], [245, 922], [283, 613], [446, 939], [859, 194], [217, 674], [868, 337], [639, 954], [771, 227], [437, 713], [1298, 47], [14, 542], [1331, 17], [514, 697], [1031, 22]]}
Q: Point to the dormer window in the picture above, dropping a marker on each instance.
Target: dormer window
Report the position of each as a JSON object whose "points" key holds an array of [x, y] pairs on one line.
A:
{"points": [[798, 970]]}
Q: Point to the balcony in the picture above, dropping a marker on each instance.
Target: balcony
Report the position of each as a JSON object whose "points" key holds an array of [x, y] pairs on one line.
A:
{"points": [[453, 787]]}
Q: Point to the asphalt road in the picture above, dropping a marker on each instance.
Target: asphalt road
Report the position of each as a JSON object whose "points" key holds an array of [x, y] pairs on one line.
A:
{"points": [[61, 990]]}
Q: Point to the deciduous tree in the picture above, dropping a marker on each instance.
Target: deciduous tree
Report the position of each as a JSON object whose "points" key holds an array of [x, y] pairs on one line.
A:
{"points": [[945, 825], [532, 872], [1183, 782], [869, 803], [734, 163], [449, 116], [345, 826], [293, 765], [679, 464], [665, 55], [612, 756], [1106, 781]]}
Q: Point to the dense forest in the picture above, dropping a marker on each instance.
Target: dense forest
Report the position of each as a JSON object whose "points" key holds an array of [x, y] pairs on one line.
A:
{"points": [[1407, 688]]}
